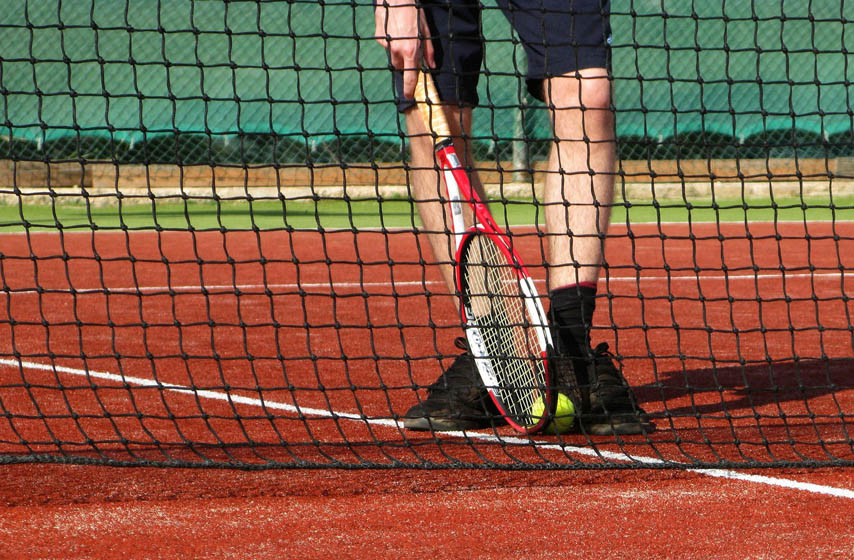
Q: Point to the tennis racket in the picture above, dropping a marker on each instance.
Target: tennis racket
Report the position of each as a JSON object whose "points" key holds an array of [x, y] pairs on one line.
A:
{"points": [[503, 319]]}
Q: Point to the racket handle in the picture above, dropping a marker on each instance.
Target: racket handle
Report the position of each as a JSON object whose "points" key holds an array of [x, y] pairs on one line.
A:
{"points": [[429, 104]]}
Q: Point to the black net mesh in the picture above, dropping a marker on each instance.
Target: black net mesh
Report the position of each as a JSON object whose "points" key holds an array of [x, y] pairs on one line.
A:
{"points": [[210, 252]]}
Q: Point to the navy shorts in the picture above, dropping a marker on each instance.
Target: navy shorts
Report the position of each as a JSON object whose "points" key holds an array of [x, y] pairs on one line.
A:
{"points": [[559, 36]]}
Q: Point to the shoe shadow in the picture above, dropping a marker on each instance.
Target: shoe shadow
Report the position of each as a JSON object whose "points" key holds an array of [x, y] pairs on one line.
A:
{"points": [[784, 389]]}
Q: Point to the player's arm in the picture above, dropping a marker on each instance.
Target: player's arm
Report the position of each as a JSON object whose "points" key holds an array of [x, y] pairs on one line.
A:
{"points": [[401, 29]]}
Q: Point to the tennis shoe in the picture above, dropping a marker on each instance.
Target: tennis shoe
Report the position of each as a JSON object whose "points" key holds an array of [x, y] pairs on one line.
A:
{"points": [[458, 400], [613, 408]]}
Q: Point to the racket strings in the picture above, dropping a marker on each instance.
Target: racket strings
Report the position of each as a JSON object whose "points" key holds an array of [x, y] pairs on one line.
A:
{"points": [[495, 297]]}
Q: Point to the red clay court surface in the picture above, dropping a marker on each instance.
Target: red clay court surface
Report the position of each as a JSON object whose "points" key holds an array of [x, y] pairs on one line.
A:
{"points": [[160, 360]]}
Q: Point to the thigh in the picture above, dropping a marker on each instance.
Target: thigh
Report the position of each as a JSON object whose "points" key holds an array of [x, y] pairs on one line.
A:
{"points": [[560, 36]]}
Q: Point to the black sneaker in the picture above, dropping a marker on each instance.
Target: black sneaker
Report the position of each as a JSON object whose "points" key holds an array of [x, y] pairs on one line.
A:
{"points": [[458, 400], [613, 409]]}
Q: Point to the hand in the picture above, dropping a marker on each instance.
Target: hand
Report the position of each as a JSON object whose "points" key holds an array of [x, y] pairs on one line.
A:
{"points": [[401, 29]]}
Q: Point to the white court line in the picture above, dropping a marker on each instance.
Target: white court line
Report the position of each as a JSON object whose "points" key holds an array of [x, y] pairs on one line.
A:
{"points": [[231, 288], [216, 395]]}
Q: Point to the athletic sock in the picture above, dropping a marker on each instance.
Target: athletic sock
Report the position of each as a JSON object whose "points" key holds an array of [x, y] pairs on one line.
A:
{"points": [[572, 315]]}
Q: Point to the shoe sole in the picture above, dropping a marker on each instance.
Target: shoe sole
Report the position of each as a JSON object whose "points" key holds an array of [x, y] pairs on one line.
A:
{"points": [[619, 429], [426, 424]]}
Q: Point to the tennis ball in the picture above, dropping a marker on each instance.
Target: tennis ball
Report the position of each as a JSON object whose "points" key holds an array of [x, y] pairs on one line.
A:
{"points": [[564, 416]]}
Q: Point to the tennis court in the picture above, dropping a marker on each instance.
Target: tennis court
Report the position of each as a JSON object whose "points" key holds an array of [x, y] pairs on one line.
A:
{"points": [[150, 348]]}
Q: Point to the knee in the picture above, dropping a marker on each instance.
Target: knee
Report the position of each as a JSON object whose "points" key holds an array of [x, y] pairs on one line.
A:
{"points": [[581, 106], [596, 94], [587, 89]]}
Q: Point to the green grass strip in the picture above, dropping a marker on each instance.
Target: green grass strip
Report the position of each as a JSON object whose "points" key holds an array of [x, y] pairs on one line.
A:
{"points": [[392, 214]]}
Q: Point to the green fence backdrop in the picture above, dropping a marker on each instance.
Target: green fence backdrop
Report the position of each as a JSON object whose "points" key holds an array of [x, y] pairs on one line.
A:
{"points": [[303, 81]]}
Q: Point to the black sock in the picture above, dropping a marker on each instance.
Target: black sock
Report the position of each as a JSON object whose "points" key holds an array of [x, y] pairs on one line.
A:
{"points": [[572, 316]]}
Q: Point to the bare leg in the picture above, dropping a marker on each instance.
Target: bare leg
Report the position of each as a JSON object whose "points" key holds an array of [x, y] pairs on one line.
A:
{"points": [[580, 182], [428, 189]]}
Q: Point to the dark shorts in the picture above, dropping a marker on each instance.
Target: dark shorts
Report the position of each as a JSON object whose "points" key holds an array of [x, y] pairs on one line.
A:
{"points": [[559, 36]]}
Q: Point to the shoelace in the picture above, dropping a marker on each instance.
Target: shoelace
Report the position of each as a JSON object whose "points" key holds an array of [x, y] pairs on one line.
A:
{"points": [[603, 359]]}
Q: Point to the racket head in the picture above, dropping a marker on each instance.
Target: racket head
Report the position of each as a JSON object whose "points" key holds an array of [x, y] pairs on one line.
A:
{"points": [[506, 328]]}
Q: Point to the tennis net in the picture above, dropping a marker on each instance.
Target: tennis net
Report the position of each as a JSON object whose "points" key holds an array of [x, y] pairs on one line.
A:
{"points": [[210, 253]]}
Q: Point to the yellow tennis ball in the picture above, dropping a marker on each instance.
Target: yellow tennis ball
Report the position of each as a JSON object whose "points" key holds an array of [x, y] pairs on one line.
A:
{"points": [[564, 416]]}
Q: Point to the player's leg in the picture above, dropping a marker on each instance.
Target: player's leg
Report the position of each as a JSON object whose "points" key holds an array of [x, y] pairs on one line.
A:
{"points": [[568, 61], [458, 399], [579, 192]]}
